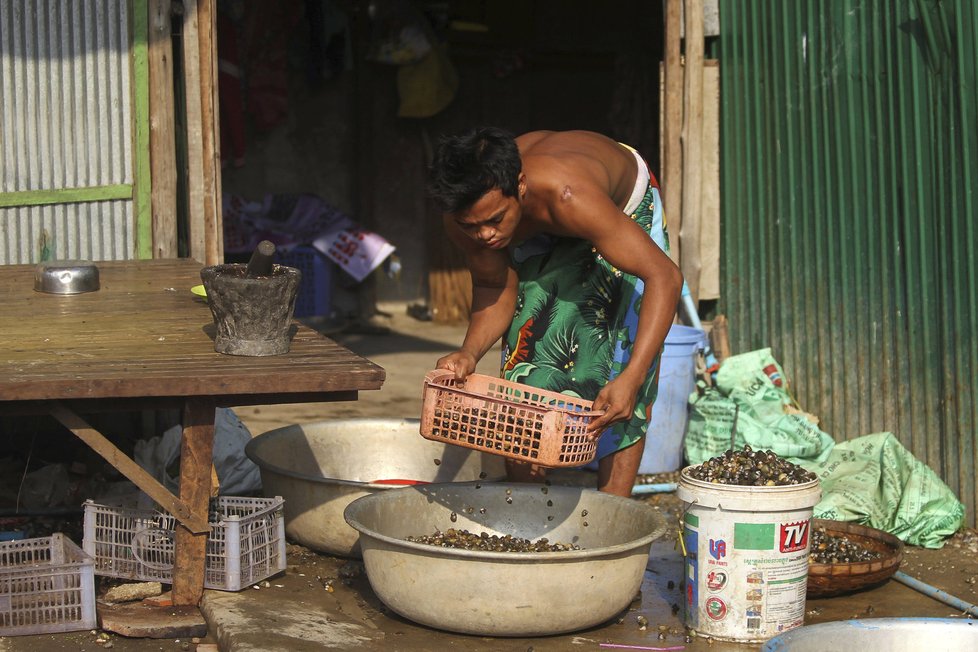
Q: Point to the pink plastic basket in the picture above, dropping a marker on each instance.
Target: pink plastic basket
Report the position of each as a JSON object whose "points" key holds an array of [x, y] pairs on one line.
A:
{"points": [[506, 418]]}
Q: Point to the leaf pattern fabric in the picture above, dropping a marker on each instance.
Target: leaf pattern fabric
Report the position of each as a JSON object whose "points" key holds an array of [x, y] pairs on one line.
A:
{"points": [[576, 318]]}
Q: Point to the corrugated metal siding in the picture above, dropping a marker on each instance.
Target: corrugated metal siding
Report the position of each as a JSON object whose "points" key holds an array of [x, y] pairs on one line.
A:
{"points": [[65, 117], [84, 231], [849, 152]]}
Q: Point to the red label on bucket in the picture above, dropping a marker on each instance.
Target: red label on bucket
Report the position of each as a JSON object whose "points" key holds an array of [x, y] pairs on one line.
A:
{"points": [[794, 536], [716, 608]]}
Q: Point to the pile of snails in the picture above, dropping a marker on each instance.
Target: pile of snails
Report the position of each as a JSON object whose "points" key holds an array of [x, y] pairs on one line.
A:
{"points": [[751, 468], [837, 549], [465, 540]]}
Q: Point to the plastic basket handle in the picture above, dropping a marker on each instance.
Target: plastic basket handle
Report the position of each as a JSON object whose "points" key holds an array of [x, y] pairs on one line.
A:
{"points": [[438, 376], [161, 534]]}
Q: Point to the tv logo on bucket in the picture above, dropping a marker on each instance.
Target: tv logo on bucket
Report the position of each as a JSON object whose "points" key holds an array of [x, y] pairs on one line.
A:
{"points": [[794, 536], [718, 549]]}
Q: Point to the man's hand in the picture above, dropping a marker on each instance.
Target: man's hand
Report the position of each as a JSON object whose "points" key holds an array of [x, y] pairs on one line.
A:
{"points": [[461, 362], [617, 401]]}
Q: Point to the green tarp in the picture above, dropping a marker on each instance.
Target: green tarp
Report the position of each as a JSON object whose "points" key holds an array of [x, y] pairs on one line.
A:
{"points": [[872, 480]]}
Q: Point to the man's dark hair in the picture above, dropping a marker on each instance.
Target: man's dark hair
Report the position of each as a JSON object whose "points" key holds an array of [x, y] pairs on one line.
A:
{"points": [[469, 165]]}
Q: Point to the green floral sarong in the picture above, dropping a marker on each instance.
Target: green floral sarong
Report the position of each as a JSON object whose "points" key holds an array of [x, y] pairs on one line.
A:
{"points": [[575, 321]]}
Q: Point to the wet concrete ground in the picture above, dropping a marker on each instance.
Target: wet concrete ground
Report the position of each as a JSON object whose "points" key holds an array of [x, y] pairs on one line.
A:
{"points": [[296, 612]]}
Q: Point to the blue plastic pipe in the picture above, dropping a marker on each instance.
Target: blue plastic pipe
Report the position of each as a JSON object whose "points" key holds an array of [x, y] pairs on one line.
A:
{"points": [[660, 488], [936, 593]]}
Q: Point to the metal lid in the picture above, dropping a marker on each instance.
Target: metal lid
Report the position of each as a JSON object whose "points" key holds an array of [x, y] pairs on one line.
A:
{"points": [[66, 277]]}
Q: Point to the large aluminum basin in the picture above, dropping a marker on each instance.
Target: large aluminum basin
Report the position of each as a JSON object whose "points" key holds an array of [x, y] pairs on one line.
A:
{"points": [[506, 593], [890, 634], [318, 468]]}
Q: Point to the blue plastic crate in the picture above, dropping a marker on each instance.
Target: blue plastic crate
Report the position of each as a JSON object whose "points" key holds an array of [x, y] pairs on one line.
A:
{"points": [[315, 290]]}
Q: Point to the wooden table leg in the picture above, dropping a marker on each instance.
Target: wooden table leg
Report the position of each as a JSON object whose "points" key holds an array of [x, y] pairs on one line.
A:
{"points": [[196, 454]]}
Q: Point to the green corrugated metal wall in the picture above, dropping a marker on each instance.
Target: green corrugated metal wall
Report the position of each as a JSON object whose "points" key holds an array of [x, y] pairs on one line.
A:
{"points": [[849, 151]]}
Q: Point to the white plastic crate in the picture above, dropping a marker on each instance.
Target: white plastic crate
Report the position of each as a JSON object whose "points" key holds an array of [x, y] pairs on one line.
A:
{"points": [[47, 585], [246, 543]]}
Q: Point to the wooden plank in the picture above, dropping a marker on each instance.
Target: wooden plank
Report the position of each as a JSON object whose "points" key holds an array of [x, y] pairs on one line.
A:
{"points": [[142, 188], [163, 157], [195, 149], [672, 110], [65, 195], [720, 338], [692, 142], [135, 404], [210, 131], [710, 179], [120, 461], [196, 455], [215, 482]]}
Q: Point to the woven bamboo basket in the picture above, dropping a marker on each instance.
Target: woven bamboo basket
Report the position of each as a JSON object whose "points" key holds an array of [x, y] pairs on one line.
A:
{"points": [[825, 580]]}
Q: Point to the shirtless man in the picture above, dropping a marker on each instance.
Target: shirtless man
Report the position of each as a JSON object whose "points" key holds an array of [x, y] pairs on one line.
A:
{"points": [[564, 237]]}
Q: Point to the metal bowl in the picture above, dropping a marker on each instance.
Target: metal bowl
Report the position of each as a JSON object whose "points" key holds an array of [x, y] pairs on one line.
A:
{"points": [[891, 634], [66, 277], [506, 593], [319, 468]]}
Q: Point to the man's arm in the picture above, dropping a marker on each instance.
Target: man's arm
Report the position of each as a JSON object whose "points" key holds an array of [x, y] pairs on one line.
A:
{"points": [[494, 287]]}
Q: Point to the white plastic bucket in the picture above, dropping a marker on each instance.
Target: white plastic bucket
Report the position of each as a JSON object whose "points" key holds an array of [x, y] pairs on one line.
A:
{"points": [[746, 557], [677, 379]]}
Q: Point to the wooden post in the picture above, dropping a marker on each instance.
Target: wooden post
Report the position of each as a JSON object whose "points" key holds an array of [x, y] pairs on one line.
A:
{"points": [[719, 338], [692, 142], [672, 108], [163, 197], [210, 131], [196, 457], [709, 214], [203, 131], [195, 176]]}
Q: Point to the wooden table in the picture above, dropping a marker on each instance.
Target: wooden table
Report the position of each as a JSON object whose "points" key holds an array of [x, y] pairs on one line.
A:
{"points": [[144, 341]]}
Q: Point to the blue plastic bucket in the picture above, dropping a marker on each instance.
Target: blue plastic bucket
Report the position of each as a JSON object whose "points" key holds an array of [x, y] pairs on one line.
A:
{"points": [[677, 379]]}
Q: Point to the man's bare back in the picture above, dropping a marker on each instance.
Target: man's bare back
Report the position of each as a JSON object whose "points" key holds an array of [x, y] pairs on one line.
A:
{"points": [[561, 160]]}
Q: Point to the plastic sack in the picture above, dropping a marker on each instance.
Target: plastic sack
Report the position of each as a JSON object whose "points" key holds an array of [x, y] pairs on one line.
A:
{"points": [[427, 86], [872, 480], [751, 387], [399, 33], [875, 481], [237, 475]]}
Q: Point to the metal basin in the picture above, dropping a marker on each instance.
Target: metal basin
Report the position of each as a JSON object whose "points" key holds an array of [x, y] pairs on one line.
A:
{"points": [[318, 468], [506, 593], [890, 634], [66, 277]]}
